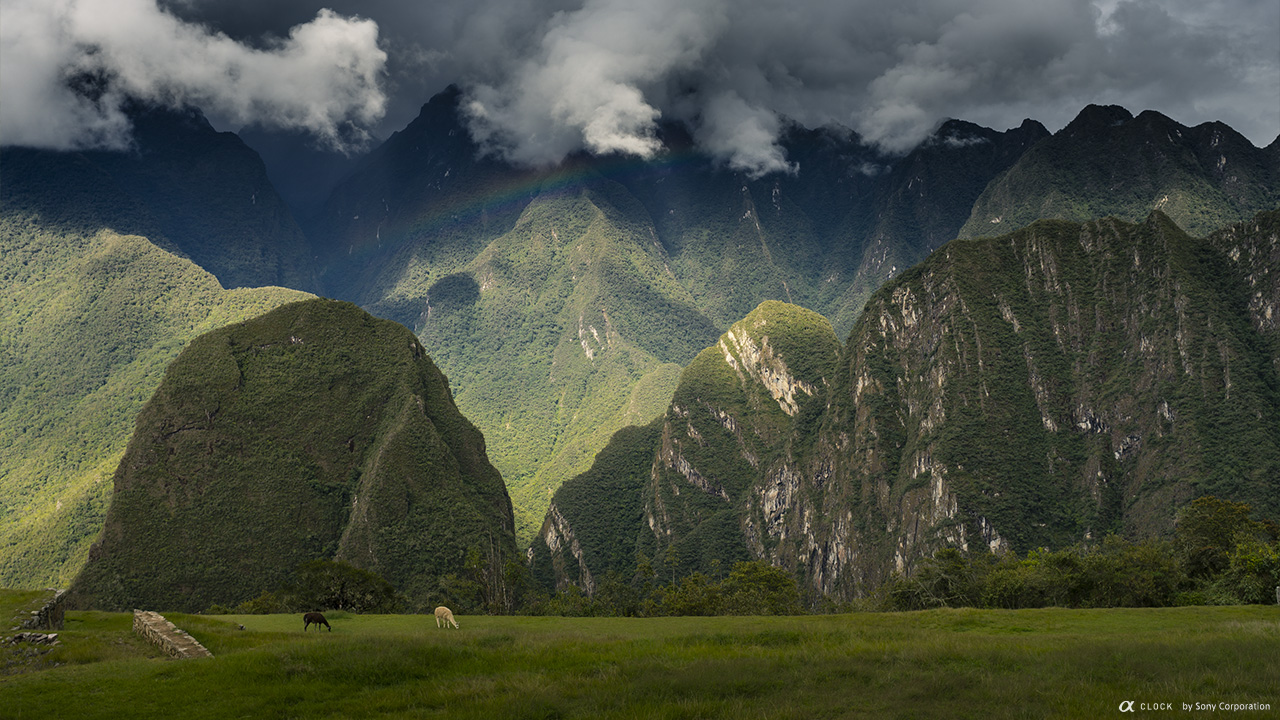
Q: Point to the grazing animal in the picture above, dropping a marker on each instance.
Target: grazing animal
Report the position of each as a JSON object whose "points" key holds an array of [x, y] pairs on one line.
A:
{"points": [[444, 616], [314, 619]]}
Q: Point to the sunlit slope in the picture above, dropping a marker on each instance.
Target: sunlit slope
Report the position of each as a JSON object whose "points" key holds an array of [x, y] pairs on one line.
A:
{"points": [[494, 266], [1039, 389], [88, 323], [560, 332]]}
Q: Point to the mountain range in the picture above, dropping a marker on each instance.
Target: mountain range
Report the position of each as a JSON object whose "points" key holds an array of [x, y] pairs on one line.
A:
{"points": [[606, 257], [566, 304], [1037, 389]]}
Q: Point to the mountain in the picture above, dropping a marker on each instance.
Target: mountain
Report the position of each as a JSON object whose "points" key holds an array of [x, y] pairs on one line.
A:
{"points": [[1033, 390], [199, 193], [88, 322], [592, 526], [302, 172], [1107, 162], [562, 302], [314, 431]]}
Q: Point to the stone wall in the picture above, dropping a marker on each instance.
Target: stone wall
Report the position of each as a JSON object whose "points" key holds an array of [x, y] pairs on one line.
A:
{"points": [[167, 636], [50, 615]]}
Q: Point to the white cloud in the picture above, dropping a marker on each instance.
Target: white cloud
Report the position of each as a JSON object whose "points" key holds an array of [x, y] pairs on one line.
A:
{"points": [[545, 78], [324, 77], [585, 82], [599, 76]]}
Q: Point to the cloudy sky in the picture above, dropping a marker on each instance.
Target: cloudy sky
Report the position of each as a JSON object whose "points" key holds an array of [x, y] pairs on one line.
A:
{"points": [[547, 77]]}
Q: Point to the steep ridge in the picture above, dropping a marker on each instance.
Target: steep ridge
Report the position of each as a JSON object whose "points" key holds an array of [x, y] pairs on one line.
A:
{"points": [[88, 322], [192, 190], [559, 333], [692, 488], [592, 526], [493, 265], [314, 431], [1033, 390], [1107, 162]]}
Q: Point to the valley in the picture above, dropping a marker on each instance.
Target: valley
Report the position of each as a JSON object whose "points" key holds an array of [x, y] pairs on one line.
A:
{"points": [[801, 367]]}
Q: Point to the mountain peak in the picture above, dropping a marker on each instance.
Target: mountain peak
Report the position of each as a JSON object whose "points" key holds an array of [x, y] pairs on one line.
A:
{"points": [[1095, 119], [450, 97]]}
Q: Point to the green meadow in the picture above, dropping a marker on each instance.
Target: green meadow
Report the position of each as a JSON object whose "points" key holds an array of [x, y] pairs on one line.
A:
{"points": [[939, 663]]}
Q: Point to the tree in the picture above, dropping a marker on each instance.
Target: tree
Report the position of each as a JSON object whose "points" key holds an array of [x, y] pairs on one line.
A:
{"points": [[948, 579], [336, 585], [1206, 534], [694, 595], [757, 588], [1253, 571]]}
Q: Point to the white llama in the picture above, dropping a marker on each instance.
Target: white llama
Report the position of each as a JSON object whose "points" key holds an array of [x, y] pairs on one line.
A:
{"points": [[444, 616]]}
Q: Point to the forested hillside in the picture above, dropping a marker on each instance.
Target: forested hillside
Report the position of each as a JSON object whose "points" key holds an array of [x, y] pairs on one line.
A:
{"points": [[1107, 162], [315, 431], [562, 302], [192, 190], [1038, 389], [88, 322]]}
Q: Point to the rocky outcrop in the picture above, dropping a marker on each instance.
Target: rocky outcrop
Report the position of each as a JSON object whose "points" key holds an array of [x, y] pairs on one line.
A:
{"points": [[559, 539]]}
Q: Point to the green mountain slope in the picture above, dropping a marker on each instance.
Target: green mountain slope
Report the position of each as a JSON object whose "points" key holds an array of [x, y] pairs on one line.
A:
{"points": [[593, 524], [559, 333], [560, 301], [1108, 163], [1033, 390], [314, 431], [688, 494], [192, 190], [88, 323]]}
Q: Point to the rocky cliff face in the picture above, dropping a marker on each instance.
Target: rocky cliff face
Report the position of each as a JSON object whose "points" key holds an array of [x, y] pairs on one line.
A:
{"points": [[314, 431], [562, 301], [1037, 389]]}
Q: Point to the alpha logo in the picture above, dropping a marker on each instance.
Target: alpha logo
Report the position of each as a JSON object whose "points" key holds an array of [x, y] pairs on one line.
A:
{"points": [[1126, 706]]}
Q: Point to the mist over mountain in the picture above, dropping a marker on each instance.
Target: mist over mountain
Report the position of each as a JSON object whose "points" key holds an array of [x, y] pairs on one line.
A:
{"points": [[544, 79]]}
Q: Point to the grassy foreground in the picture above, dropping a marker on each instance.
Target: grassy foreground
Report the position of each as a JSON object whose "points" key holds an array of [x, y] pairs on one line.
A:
{"points": [[942, 663]]}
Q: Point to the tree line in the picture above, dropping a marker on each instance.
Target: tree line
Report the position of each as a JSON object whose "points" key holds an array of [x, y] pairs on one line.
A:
{"points": [[1219, 555]]}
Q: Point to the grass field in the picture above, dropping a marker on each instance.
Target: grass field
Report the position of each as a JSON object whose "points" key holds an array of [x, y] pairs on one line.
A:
{"points": [[944, 664]]}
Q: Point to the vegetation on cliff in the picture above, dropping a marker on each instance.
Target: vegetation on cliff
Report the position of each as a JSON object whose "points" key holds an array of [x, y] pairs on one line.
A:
{"points": [[312, 432], [88, 322], [561, 303], [1038, 390], [1107, 162]]}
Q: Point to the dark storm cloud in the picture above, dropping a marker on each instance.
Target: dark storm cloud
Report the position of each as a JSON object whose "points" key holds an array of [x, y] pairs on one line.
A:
{"points": [[545, 78]]}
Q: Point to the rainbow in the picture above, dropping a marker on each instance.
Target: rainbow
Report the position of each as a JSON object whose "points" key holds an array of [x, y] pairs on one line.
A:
{"points": [[507, 192]]}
